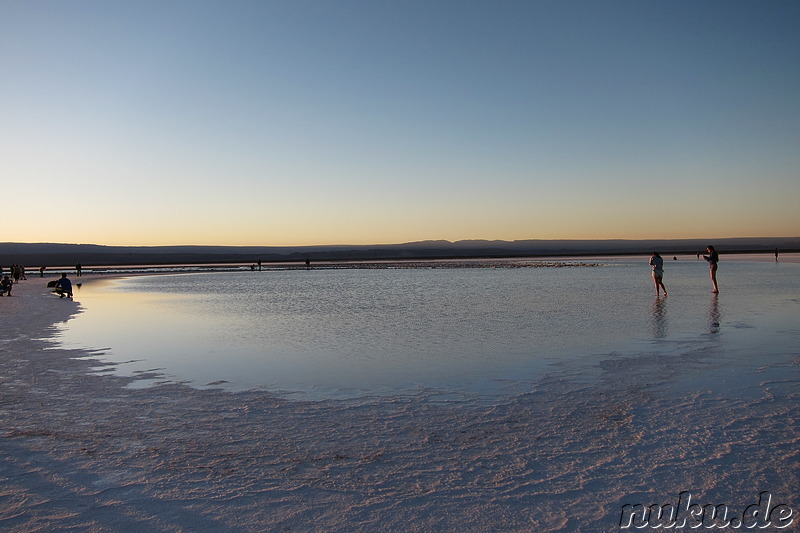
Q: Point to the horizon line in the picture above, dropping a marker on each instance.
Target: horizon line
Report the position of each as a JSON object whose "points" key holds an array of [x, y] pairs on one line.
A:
{"points": [[404, 243]]}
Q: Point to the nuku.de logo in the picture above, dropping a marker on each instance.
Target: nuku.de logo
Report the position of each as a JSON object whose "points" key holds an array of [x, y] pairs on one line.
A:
{"points": [[685, 514]]}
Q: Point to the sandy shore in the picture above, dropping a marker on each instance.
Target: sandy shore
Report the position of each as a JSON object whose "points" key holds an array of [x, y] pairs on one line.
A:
{"points": [[82, 452]]}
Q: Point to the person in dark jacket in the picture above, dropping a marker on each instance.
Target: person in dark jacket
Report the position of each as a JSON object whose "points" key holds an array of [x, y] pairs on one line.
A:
{"points": [[713, 259], [5, 286], [64, 286]]}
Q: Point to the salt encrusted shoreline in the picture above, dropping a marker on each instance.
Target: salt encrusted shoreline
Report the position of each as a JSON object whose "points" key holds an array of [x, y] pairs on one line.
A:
{"points": [[81, 452]]}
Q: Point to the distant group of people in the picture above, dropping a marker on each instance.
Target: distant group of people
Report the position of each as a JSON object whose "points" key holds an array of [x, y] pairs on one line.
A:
{"points": [[16, 273], [657, 262], [7, 281]]}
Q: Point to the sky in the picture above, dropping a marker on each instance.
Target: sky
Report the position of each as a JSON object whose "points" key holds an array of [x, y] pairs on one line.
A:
{"points": [[313, 122]]}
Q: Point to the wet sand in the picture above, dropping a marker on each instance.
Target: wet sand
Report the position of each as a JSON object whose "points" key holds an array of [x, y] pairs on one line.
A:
{"points": [[81, 451]]}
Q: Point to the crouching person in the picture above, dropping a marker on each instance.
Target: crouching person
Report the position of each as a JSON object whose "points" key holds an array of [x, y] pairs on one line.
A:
{"points": [[63, 287], [5, 286]]}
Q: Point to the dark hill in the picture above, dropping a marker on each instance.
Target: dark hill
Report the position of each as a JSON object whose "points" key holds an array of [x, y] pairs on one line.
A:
{"points": [[55, 254]]}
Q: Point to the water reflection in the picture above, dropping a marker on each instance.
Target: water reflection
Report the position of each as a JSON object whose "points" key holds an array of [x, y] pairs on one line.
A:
{"points": [[393, 329], [658, 319], [713, 314], [353, 329]]}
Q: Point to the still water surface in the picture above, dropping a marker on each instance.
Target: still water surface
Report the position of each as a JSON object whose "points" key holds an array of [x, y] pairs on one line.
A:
{"points": [[350, 331]]}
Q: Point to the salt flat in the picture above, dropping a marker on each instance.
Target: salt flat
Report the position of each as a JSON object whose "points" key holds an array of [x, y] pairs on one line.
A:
{"points": [[81, 451]]}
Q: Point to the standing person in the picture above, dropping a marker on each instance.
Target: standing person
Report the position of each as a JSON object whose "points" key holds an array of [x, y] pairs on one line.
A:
{"points": [[713, 259], [657, 262], [64, 286], [776, 255], [78, 270]]}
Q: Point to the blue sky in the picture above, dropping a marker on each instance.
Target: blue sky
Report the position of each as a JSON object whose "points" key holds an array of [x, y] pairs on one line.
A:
{"points": [[334, 122]]}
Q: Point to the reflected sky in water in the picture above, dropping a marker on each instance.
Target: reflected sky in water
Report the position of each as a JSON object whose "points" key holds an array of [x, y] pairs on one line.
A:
{"points": [[390, 330]]}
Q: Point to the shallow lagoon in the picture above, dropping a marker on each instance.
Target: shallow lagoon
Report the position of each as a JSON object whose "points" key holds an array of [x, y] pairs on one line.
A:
{"points": [[699, 394], [477, 331]]}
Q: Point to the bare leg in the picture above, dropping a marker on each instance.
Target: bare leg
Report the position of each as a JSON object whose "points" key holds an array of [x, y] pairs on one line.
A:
{"points": [[714, 280], [659, 284]]}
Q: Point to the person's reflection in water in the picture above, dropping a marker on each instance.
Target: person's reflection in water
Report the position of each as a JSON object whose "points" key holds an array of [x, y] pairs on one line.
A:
{"points": [[658, 319], [713, 314]]}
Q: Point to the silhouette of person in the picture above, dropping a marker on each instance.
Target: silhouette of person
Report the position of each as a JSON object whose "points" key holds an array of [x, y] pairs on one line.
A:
{"points": [[64, 286], [713, 259], [78, 270], [6, 285], [657, 262], [776, 254]]}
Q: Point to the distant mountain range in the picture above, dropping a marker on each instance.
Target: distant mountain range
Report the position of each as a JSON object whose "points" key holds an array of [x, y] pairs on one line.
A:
{"points": [[53, 254]]}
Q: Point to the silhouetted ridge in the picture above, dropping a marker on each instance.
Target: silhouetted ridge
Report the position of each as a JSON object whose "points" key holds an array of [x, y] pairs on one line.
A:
{"points": [[60, 254]]}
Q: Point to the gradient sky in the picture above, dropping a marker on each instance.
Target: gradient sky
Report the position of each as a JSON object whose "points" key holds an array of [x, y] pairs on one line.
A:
{"points": [[277, 122]]}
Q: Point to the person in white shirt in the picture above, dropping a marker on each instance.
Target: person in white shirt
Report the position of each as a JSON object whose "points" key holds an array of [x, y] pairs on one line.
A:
{"points": [[657, 262]]}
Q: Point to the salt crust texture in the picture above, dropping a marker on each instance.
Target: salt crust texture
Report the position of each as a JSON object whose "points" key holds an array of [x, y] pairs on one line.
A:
{"points": [[82, 452]]}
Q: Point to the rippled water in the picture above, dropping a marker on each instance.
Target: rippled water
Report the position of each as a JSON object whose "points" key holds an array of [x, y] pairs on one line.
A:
{"points": [[350, 331]]}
